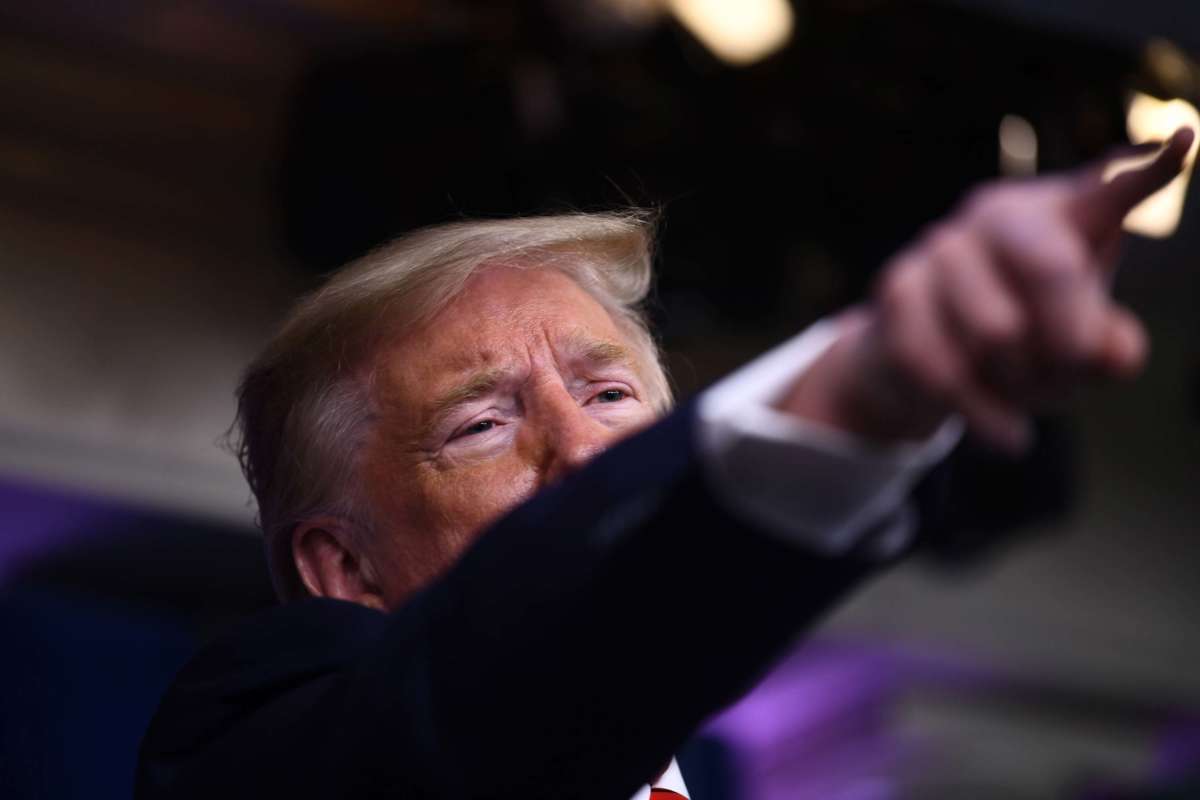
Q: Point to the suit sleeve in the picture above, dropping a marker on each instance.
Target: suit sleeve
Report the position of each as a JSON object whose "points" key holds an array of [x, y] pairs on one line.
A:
{"points": [[530, 668]]}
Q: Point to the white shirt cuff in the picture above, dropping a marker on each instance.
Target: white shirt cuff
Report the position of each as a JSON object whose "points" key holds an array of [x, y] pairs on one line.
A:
{"points": [[813, 485]]}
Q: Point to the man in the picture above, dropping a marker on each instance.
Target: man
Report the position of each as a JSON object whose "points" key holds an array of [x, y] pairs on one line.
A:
{"points": [[489, 617]]}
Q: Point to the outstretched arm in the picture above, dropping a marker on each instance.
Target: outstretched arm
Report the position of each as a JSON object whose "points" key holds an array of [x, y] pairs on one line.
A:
{"points": [[568, 653], [582, 638]]}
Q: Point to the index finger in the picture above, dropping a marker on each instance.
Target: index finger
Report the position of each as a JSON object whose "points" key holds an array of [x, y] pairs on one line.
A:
{"points": [[1101, 199]]}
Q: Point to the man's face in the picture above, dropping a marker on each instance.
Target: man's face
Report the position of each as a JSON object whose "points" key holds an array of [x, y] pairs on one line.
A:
{"points": [[521, 379]]}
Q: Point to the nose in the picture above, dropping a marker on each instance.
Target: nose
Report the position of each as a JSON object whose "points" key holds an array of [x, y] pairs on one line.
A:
{"points": [[568, 437]]}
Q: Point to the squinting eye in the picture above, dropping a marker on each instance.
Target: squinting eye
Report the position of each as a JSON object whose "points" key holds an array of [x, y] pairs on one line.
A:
{"points": [[483, 426], [610, 396]]}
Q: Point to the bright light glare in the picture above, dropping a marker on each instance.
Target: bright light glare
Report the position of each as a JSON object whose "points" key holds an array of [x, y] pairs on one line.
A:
{"points": [[739, 32], [1018, 146], [1151, 119]]}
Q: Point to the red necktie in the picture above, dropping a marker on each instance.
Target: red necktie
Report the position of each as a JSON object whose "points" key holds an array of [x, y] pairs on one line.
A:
{"points": [[665, 794]]}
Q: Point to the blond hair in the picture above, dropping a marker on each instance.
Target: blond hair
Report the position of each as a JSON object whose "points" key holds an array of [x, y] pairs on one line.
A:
{"points": [[305, 405]]}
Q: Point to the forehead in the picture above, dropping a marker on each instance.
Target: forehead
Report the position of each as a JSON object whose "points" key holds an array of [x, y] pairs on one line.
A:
{"points": [[501, 313]]}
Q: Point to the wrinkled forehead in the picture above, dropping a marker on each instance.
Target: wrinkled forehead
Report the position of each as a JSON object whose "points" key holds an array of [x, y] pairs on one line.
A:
{"points": [[501, 316]]}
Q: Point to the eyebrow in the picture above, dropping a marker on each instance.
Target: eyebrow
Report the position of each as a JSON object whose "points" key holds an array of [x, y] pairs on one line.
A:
{"points": [[478, 385], [600, 352], [596, 352]]}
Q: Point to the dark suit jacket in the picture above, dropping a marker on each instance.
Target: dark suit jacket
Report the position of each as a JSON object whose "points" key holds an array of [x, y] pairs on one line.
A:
{"points": [[568, 654]]}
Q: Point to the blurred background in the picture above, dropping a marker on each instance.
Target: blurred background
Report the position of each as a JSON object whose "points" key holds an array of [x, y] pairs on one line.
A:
{"points": [[174, 174]]}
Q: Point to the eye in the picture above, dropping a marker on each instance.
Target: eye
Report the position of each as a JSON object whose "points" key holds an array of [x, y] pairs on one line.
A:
{"points": [[482, 426], [610, 396]]}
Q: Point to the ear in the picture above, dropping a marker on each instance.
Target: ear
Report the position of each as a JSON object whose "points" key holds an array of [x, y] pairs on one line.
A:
{"points": [[331, 562]]}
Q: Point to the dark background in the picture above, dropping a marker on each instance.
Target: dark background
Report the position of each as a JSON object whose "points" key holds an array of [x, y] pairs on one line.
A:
{"points": [[174, 174]]}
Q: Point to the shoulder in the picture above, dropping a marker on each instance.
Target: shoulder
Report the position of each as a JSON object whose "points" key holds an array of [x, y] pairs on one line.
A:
{"points": [[309, 637], [272, 668]]}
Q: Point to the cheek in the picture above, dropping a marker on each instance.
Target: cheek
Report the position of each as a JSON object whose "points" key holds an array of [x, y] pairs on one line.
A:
{"points": [[464, 501], [437, 515], [638, 420]]}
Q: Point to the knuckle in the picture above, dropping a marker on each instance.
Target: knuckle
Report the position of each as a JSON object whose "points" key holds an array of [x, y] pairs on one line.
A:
{"points": [[1058, 268], [988, 196], [949, 242], [1046, 270], [898, 287], [998, 331], [1050, 253]]}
